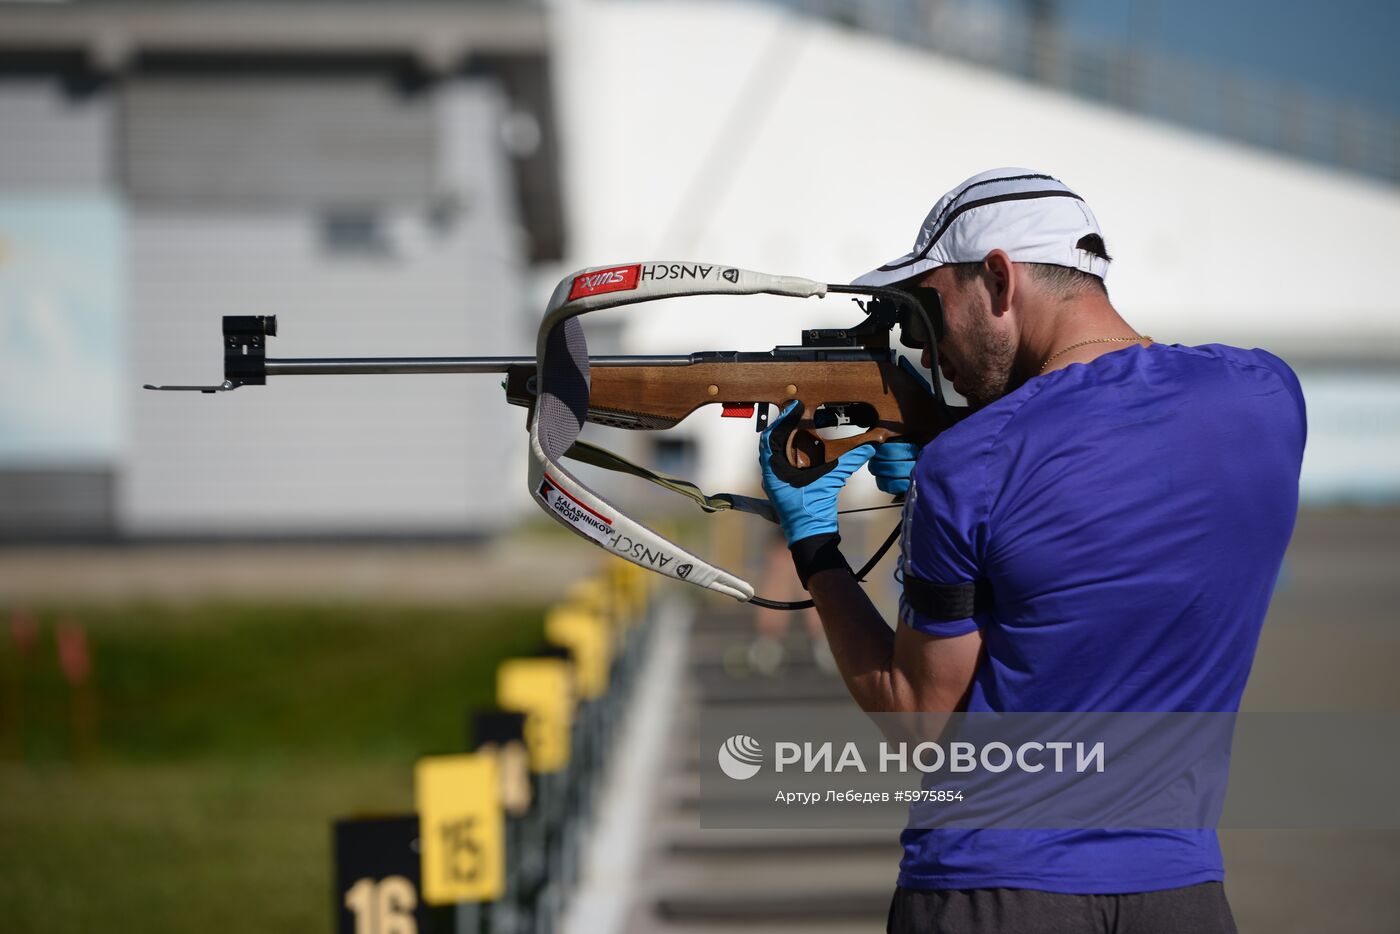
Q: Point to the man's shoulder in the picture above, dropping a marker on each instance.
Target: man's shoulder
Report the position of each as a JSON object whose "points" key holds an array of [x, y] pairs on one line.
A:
{"points": [[1048, 406], [1254, 361], [1234, 356], [1147, 374], [970, 443]]}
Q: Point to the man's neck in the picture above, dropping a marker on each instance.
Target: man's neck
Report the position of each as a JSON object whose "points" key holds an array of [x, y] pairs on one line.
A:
{"points": [[1058, 324]]}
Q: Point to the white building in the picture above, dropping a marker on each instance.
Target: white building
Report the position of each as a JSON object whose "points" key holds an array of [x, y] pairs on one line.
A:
{"points": [[378, 178]]}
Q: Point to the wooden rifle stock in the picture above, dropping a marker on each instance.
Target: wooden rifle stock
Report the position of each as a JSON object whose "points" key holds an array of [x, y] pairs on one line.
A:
{"points": [[879, 396]]}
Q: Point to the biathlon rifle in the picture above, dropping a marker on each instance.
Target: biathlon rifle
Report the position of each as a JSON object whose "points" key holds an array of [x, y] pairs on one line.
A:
{"points": [[842, 377]]}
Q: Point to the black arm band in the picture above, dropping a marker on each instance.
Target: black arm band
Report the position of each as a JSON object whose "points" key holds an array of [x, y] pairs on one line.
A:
{"points": [[946, 601], [817, 553]]}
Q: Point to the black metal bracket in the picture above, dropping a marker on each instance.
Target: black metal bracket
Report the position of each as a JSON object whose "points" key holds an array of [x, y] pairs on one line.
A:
{"points": [[245, 348], [245, 353]]}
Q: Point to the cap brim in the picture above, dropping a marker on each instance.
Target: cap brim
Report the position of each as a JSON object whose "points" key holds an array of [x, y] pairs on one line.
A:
{"points": [[896, 271]]}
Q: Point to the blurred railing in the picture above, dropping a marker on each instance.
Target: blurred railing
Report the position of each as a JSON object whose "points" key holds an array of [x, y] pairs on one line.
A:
{"points": [[1253, 110]]}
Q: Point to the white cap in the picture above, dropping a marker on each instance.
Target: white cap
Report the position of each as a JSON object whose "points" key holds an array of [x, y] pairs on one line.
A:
{"points": [[1033, 217]]}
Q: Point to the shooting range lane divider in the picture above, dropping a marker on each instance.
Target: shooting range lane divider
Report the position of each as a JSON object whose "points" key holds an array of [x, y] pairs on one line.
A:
{"points": [[494, 845]]}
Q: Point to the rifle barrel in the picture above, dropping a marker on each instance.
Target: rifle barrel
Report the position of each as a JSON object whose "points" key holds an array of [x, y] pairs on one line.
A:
{"points": [[305, 366]]}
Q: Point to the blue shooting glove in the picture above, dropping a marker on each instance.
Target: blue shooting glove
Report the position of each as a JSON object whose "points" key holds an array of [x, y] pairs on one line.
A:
{"points": [[807, 513], [893, 463]]}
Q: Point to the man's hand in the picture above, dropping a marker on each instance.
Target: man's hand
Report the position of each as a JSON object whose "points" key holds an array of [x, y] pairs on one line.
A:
{"points": [[804, 511], [893, 463]]}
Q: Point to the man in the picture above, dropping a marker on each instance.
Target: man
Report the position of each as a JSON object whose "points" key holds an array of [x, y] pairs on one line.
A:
{"points": [[1102, 533]]}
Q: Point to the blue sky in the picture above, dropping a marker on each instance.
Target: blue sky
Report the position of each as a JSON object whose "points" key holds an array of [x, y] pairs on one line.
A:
{"points": [[1339, 48]]}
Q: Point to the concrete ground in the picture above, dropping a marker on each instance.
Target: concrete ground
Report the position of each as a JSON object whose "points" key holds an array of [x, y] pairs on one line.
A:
{"points": [[1331, 643]]}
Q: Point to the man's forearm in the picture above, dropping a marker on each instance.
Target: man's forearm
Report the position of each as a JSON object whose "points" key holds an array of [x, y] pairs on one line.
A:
{"points": [[861, 642], [889, 671]]}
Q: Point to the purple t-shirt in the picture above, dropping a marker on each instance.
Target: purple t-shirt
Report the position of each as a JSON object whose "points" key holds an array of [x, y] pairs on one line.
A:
{"points": [[1130, 515]]}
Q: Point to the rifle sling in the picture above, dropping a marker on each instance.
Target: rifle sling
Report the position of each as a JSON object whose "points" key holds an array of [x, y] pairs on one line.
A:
{"points": [[590, 454]]}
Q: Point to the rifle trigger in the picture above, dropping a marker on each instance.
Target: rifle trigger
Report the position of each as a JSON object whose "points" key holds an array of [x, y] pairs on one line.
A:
{"points": [[761, 423]]}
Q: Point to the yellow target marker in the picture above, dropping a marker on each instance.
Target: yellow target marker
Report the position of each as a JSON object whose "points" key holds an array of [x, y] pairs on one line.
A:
{"points": [[543, 690], [587, 637], [461, 828]]}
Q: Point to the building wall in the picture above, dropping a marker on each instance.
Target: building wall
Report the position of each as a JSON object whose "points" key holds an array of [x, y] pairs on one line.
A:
{"points": [[369, 266], [370, 220], [51, 142], [240, 141], [61, 303]]}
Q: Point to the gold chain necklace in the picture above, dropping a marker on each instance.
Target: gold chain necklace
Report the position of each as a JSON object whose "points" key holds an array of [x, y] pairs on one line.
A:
{"points": [[1092, 340]]}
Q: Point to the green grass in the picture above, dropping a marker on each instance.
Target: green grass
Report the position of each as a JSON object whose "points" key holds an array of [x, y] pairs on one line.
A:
{"points": [[228, 738]]}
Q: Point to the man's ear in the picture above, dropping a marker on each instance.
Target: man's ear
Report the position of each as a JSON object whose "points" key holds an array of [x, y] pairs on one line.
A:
{"points": [[1001, 280]]}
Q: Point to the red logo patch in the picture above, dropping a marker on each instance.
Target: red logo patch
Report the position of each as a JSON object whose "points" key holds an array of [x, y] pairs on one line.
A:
{"points": [[617, 279]]}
